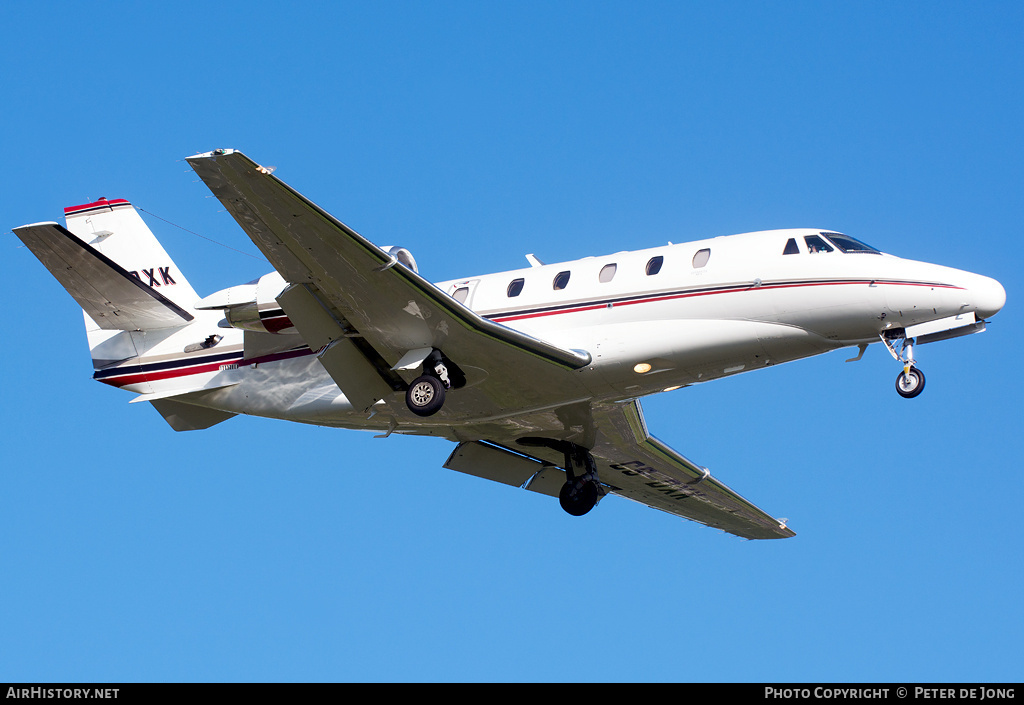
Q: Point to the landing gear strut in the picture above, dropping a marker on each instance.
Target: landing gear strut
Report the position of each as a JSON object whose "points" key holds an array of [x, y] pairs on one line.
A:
{"points": [[910, 381], [582, 490]]}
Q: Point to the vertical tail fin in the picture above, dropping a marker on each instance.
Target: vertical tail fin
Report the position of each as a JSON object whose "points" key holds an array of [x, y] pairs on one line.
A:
{"points": [[111, 263], [144, 332], [115, 229]]}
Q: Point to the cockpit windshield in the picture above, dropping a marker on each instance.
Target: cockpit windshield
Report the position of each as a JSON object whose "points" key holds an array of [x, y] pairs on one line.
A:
{"points": [[845, 243], [816, 244]]}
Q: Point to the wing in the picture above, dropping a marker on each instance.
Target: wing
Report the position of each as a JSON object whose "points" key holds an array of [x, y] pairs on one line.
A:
{"points": [[632, 464], [375, 318], [640, 467]]}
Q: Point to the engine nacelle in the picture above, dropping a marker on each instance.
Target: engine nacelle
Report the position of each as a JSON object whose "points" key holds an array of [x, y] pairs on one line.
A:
{"points": [[401, 254], [252, 306]]}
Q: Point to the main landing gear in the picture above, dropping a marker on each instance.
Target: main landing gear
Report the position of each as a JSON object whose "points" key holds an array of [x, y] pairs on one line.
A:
{"points": [[425, 396], [582, 489], [910, 381]]}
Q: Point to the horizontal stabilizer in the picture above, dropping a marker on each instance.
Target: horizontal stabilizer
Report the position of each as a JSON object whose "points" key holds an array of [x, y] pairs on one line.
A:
{"points": [[109, 294]]}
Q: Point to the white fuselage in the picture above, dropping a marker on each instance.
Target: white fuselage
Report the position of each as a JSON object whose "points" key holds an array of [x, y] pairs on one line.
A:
{"points": [[746, 306], [651, 320]]}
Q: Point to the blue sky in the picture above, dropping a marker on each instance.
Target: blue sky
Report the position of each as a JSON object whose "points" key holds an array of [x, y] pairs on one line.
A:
{"points": [[474, 133]]}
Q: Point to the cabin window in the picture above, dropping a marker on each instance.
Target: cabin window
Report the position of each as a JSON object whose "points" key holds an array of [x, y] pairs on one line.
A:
{"points": [[816, 244], [654, 265], [516, 287], [607, 273], [461, 294], [791, 248], [701, 258], [849, 244], [561, 280]]}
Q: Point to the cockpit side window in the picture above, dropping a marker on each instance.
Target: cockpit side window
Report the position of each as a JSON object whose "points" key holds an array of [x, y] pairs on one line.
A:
{"points": [[791, 248], [816, 244], [845, 243]]}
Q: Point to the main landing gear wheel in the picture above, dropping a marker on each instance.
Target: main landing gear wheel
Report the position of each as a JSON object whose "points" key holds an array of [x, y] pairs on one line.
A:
{"points": [[581, 491], [578, 498], [910, 383], [425, 395]]}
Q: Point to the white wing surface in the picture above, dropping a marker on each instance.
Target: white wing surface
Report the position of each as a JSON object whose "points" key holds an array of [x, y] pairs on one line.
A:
{"points": [[373, 311]]}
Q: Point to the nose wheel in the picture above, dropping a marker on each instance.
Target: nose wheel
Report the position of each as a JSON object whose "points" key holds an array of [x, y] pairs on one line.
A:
{"points": [[910, 381]]}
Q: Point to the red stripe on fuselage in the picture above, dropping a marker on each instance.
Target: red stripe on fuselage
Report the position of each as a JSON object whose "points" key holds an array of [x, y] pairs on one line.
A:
{"points": [[575, 308], [163, 374], [187, 370]]}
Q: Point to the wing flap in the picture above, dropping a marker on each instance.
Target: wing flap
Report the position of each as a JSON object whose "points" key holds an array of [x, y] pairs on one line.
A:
{"points": [[493, 463], [357, 377]]}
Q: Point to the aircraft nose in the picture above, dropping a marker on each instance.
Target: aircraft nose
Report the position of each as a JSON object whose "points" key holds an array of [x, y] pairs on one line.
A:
{"points": [[989, 297]]}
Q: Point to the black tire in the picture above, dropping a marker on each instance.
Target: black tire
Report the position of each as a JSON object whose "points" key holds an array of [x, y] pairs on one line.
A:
{"points": [[911, 384], [425, 396], [580, 502]]}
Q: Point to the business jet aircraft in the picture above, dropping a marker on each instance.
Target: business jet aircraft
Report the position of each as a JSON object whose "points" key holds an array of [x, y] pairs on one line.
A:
{"points": [[534, 373]]}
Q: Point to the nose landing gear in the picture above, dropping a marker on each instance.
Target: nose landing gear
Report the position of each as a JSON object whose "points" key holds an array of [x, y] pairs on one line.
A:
{"points": [[910, 381]]}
